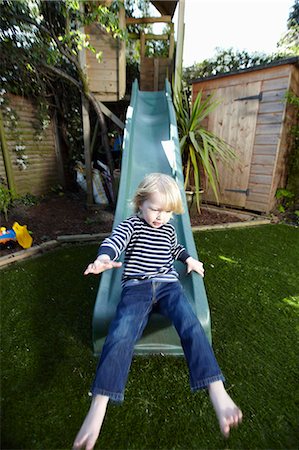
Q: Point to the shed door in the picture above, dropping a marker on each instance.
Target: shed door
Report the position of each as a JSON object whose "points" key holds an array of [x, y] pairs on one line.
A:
{"points": [[235, 121]]}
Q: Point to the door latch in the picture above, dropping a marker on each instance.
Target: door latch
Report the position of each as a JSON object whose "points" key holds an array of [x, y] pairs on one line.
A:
{"points": [[251, 97], [239, 191]]}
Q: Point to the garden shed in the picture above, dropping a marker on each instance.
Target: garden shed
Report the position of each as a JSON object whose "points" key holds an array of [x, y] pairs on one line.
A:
{"points": [[255, 119]]}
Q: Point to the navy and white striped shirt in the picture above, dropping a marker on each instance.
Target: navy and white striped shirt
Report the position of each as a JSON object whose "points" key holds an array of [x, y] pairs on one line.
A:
{"points": [[149, 252]]}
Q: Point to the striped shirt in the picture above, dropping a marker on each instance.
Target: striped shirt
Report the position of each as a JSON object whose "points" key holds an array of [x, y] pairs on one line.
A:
{"points": [[149, 252]]}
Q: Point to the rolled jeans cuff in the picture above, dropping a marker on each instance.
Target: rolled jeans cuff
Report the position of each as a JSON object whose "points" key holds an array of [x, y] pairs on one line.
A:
{"points": [[115, 397], [203, 384]]}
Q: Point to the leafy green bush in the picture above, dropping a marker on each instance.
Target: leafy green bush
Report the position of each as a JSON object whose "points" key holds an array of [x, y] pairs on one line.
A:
{"points": [[6, 199], [293, 158], [28, 199], [287, 202], [286, 197]]}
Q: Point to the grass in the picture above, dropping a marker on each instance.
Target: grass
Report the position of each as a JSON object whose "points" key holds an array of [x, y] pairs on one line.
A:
{"points": [[47, 364]]}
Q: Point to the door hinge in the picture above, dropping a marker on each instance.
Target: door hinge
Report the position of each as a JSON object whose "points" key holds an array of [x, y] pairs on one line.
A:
{"points": [[239, 191], [251, 97]]}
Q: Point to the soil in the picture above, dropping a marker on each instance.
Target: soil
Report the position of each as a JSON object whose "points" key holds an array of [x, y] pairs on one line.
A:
{"points": [[67, 214]]}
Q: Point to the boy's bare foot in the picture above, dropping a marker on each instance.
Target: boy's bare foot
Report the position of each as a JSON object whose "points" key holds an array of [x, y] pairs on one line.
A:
{"points": [[90, 429], [228, 413]]}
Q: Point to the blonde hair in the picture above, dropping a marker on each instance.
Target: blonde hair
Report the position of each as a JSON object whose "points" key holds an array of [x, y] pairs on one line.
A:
{"points": [[165, 186]]}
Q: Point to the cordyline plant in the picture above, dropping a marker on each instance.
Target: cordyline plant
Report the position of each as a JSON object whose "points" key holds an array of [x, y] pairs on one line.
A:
{"points": [[200, 148]]}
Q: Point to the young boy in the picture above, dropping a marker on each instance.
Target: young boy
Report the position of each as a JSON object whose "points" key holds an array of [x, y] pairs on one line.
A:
{"points": [[150, 279]]}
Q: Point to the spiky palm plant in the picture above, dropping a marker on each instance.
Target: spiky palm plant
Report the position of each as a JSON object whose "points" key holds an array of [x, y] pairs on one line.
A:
{"points": [[200, 148]]}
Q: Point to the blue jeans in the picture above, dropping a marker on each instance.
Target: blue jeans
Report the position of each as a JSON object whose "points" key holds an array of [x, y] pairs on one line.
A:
{"points": [[133, 311]]}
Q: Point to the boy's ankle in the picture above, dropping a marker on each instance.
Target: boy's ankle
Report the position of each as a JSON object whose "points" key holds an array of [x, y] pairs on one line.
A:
{"points": [[216, 387], [99, 400]]}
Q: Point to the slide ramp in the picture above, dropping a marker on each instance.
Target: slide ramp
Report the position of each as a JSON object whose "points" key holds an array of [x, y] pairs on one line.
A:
{"points": [[150, 145]]}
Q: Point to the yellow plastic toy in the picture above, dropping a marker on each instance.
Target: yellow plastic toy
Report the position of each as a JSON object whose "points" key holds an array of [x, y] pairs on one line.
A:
{"points": [[18, 233], [22, 235]]}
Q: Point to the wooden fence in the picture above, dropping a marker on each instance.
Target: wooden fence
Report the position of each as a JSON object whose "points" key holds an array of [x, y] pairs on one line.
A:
{"points": [[33, 156]]}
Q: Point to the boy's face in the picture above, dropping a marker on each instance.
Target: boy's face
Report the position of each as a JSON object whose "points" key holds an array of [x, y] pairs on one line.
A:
{"points": [[153, 211]]}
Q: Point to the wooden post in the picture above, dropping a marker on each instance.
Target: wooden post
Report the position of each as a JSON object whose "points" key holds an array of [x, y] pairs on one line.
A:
{"points": [[142, 44], [61, 175], [6, 158], [156, 74], [122, 50], [171, 42], [94, 136], [87, 155], [86, 129], [180, 46]]}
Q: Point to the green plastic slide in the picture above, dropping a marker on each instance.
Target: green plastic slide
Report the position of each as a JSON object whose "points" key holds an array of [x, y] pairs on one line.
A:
{"points": [[150, 145]]}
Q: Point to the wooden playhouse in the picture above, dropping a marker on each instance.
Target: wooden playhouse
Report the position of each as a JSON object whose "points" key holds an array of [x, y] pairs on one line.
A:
{"points": [[107, 80], [255, 119]]}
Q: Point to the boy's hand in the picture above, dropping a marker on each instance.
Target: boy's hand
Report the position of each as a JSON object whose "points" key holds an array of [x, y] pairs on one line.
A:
{"points": [[195, 265], [101, 264]]}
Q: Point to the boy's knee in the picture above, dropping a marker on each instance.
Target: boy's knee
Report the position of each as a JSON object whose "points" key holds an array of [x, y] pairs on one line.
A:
{"points": [[125, 331]]}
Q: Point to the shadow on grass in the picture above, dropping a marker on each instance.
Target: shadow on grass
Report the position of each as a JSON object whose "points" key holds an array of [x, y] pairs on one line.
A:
{"points": [[47, 314]]}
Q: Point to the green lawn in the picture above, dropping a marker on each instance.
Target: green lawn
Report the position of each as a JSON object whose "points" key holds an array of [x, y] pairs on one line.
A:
{"points": [[47, 364]]}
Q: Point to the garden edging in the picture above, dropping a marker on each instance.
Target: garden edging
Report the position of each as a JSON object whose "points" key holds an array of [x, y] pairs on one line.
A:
{"points": [[67, 239]]}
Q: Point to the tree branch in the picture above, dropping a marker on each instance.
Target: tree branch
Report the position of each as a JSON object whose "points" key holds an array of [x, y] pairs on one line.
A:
{"points": [[63, 74], [45, 30]]}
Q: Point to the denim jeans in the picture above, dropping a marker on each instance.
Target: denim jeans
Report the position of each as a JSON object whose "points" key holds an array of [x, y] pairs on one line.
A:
{"points": [[134, 308]]}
